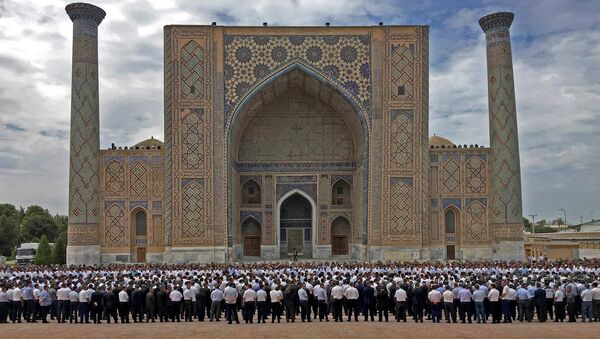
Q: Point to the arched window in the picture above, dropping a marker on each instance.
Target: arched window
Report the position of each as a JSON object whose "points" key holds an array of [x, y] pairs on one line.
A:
{"points": [[140, 223], [450, 221], [341, 193], [250, 193]]}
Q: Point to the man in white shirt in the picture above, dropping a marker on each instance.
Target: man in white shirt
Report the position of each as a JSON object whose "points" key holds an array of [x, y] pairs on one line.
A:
{"points": [[586, 303], [337, 294], [73, 305], [188, 304], [596, 301], [559, 304], [400, 299], [84, 306], [303, 298], [276, 300], [62, 295], [175, 296], [493, 296], [449, 309], [230, 295], [216, 297], [261, 304], [435, 299], [124, 305], [17, 309], [351, 295], [249, 298]]}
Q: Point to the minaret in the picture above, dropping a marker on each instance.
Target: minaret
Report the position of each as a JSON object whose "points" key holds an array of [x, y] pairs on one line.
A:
{"points": [[84, 202], [506, 213]]}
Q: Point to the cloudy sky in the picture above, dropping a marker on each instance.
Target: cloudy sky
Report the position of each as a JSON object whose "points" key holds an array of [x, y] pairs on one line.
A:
{"points": [[556, 50]]}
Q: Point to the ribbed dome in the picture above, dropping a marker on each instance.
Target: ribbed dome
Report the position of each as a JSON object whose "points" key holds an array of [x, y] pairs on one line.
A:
{"points": [[149, 143], [439, 141]]}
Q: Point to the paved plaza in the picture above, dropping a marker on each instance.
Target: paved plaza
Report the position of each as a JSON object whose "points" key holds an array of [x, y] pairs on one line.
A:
{"points": [[301, 330]]}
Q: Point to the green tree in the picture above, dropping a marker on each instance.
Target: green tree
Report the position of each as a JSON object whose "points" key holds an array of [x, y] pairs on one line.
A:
{"points": [[526, 224], [36, 210], [59, 252], [34, 226], [44, 252], [9, 229]]}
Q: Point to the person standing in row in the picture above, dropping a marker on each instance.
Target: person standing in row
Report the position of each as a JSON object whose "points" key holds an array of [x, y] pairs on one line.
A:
{"points": [[494, 296], [3, 305], [230, 295], [303, 297], [351, 295], [109, 305], [400, 297], [337, 295], [124, 305], [62, 295], [276, 302], [249, 299], [559, 304], [261, 304], [175, 297], [215, 309], [149, 307], [479, 296], [435, 297], [45, 302]]}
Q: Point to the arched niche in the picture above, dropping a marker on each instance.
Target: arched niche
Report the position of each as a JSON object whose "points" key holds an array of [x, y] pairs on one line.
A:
{"points": [[341, 193], [251, 193]]}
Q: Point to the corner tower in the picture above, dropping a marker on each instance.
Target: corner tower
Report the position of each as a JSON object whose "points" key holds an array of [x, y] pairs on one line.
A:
{"points": [[84, 203], [506, 208]]}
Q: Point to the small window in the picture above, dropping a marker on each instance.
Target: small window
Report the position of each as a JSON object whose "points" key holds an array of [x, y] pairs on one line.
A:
{"points": [[450, 221], [340, 190], [250, 190], [307, 234], [400, 90]]}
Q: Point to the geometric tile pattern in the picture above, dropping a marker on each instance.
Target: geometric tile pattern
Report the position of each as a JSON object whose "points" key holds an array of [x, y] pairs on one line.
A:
{"points": [[506, 206], [476, 222], [308, 131], [114, 178], [84, 186], [193, 224], [192, 140], [343, 59], [402, 72], [139, 179], [192, 71], [399, 224], [475, 175], [401, 135], [451, 175], [116, 230]]}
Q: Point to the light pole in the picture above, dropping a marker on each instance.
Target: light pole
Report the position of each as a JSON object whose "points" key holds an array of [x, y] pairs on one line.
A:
{"points": [[533, 223], [565, 213]]}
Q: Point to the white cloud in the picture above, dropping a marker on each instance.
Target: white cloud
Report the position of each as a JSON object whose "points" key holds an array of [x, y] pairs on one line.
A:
{"points": [[556, 48]]}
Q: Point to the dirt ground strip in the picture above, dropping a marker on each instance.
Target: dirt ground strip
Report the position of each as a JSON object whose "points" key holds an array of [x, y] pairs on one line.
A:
{"points": [[301, 330]]}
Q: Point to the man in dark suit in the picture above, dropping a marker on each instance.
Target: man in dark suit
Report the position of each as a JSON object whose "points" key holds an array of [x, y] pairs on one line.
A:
{"points": [[96, 305], [539, 299], [419, 296], [109, 304], [161, 304], [369, 302], [150, 305], [203, 302], [288, 303]]}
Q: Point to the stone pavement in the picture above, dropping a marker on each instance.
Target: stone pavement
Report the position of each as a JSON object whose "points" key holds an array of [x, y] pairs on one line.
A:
{"points": [[361, 329]]}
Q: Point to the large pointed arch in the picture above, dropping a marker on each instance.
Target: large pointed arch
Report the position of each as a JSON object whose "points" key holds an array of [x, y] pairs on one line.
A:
{"points": [[234, 121]]}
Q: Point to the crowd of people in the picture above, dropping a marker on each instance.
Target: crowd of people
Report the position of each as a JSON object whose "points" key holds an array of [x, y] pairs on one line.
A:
{"points": [[466, 292]]}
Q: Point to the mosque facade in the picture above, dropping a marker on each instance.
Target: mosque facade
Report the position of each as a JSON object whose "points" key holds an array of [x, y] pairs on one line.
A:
{"points": [[283, 141]]}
